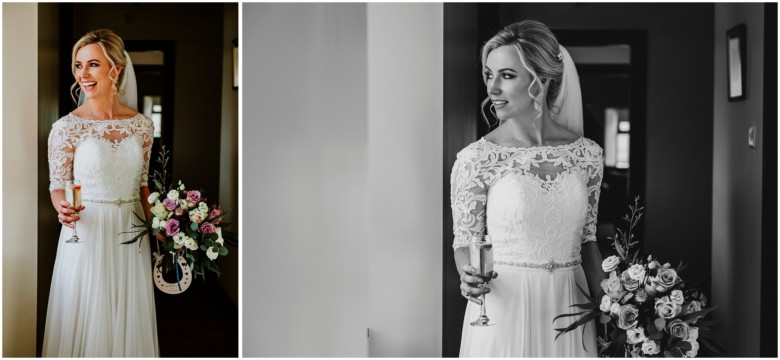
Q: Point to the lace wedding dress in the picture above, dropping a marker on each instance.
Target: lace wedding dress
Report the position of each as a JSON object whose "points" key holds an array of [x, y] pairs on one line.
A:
{"points": [[101, 301], [539, 205]]}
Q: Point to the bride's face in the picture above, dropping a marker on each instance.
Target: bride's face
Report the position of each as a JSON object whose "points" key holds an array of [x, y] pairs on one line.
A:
{"points": [[91, 70], [507, 83]]}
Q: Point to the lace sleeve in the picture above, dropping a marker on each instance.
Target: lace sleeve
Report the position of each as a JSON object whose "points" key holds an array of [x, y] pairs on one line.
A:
{"points": [[147, 134], [468, 197], [62, 146], [595, 168]]}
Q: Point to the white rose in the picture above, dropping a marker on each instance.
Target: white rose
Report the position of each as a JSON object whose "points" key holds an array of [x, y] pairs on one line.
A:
{"points": [[221, 241], [693, 333], [153, 197], [178, 241], [155, 222], [650, 347], [635, 335], [159, 211], [609, 264], [163, 224], [183, 204], [652, 265], [196, 216], [694, 349], [605, 304], [615, 309], [181, 186], [173, 194], [190, 243], [636, 272], [203, 207], [211, 253], [677, 297]]}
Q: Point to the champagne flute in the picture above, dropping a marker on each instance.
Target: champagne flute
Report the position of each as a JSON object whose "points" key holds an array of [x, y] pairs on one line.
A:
{"points": [[482, 258], [73, 196]]}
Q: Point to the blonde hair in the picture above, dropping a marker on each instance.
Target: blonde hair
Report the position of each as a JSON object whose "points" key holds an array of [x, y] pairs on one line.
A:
{"points": [[114, 51], [540, 55]]}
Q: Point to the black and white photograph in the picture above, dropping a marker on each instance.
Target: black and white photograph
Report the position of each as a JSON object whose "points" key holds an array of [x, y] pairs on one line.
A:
{"points": [[510, 180]]}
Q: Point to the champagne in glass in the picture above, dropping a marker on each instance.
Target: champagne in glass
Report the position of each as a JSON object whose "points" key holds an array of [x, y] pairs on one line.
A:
{"points": [[482, 259], [73, 196]]}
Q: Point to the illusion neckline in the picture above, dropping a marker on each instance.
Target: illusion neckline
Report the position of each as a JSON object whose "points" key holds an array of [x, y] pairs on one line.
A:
{"points": [[109, 120], [538, 147]]}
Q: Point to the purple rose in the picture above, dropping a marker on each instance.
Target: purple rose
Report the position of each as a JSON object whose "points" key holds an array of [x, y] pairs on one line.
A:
{"points": [[170, 204], [193, 196], [214, 213], [208, 228], [172, 227]]}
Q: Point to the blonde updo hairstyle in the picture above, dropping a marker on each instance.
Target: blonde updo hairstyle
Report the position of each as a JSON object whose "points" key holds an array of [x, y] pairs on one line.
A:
{"points": [[541, 56], [113, 49]]}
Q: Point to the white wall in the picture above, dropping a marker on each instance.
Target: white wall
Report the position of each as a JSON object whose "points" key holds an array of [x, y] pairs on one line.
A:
{"points": [[736, 186], [405, 97], [304, 180], [20, 173], [342, 148]]}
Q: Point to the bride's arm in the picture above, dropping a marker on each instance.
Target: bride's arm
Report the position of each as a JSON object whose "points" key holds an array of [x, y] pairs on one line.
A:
{"points": [[591, 264]]}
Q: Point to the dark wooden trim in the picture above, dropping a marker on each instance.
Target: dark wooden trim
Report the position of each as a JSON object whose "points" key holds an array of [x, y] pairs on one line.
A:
{"points": [[768, 341], [637, 40], [168, 47]]}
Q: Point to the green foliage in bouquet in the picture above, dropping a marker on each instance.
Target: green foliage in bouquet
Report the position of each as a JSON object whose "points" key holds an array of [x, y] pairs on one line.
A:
{"points": [[187, 225], [646, 308]]}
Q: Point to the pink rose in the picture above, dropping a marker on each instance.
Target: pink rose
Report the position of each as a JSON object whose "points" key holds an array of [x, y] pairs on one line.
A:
{"points": [[172, 227], [214, 213], [193, 196], [170, 204], [208, 228]]}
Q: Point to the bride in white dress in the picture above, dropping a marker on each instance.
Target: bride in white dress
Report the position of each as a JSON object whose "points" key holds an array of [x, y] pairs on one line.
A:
{"points": [[532, 185], [101, 302]]}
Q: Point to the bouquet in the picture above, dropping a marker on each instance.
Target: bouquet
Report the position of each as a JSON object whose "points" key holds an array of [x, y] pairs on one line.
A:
{"points": [[646, 308], [187, 226]]}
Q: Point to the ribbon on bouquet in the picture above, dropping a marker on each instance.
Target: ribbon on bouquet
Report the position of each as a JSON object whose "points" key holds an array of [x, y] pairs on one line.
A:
{"points": [[176, 265]]}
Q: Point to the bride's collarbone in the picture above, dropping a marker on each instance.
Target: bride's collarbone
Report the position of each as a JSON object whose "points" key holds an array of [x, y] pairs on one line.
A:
{"points": [[555, 138], [125, 113]]}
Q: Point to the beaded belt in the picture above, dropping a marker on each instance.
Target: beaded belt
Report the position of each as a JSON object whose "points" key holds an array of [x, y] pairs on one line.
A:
{"points": [[116, 202], [550, 266]]}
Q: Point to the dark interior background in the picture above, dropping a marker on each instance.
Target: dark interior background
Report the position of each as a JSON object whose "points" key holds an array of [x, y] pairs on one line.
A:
{"points": [[673, 117], [194, 38]]}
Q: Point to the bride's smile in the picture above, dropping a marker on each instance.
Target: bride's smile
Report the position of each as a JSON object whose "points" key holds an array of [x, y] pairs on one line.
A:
{"points": [[94, 72]]}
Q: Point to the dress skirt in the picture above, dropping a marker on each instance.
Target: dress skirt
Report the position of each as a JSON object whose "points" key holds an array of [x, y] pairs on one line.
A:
{"points": [[523, 302], [101, 302]]}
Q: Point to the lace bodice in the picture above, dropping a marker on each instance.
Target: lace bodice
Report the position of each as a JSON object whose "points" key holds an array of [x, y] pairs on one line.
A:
{"points": [[541, 203], [109, 157]]}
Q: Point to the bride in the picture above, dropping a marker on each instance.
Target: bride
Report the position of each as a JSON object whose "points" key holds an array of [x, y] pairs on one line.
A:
{"points": [[101, 301], [532, 185]]}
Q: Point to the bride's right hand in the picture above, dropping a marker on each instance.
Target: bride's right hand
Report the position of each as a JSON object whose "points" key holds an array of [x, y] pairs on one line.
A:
{"points": [[66, 215], [473, 285]]}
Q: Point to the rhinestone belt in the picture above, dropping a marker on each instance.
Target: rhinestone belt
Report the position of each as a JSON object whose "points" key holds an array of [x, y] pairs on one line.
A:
{"points": [[116, 202], [550, 266]]}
